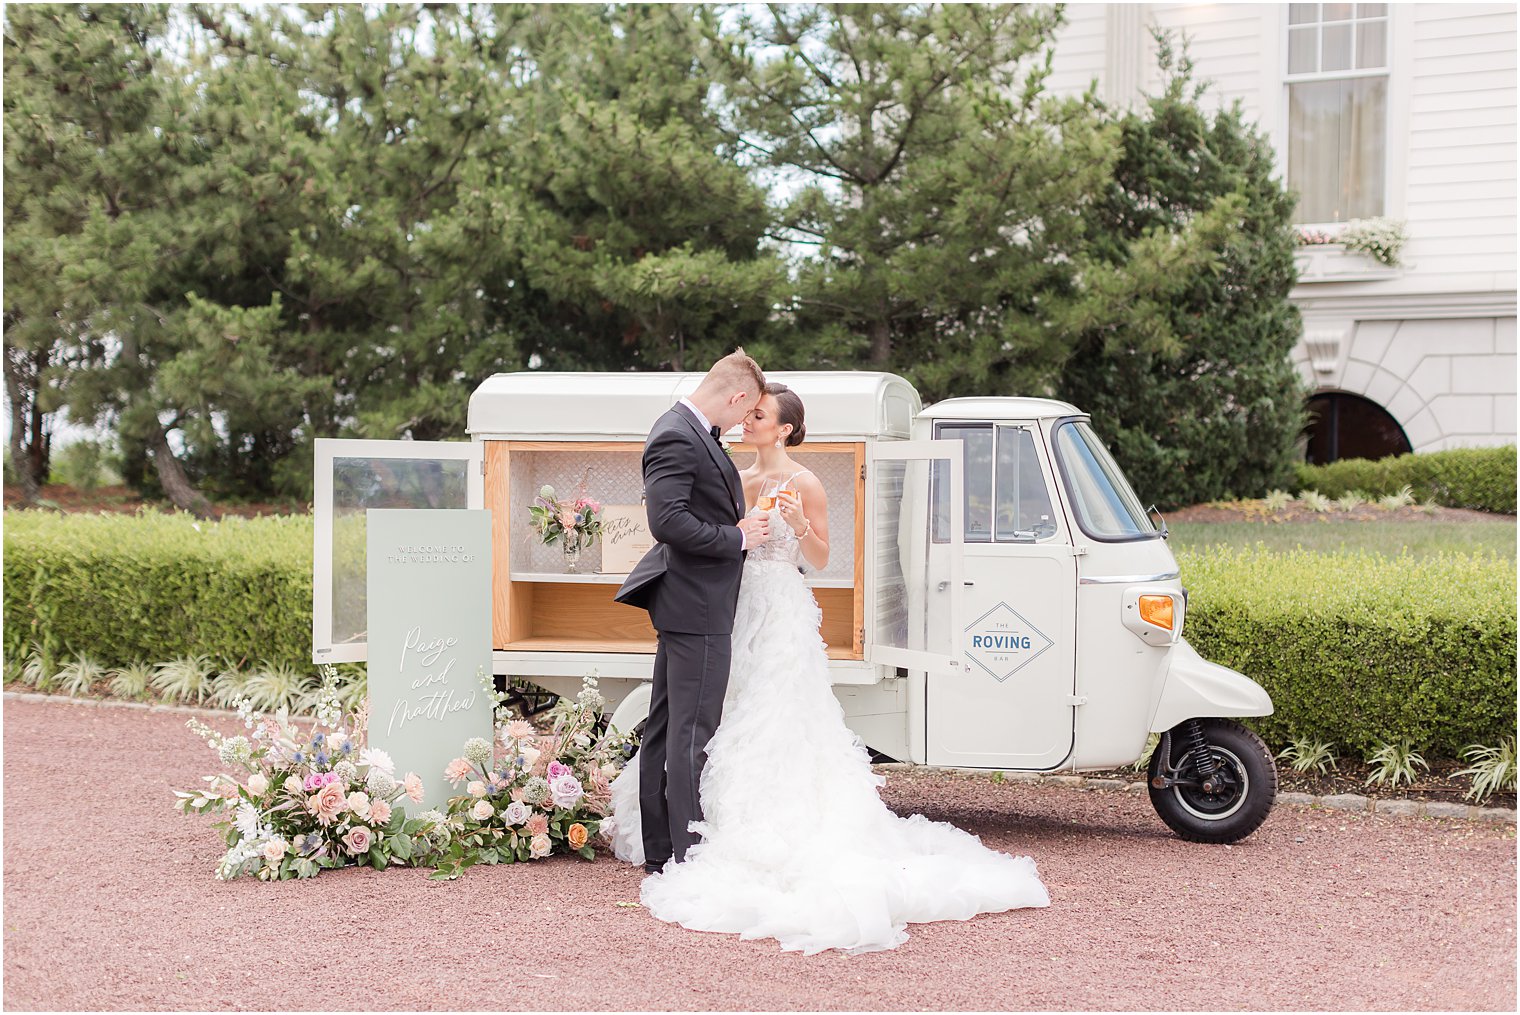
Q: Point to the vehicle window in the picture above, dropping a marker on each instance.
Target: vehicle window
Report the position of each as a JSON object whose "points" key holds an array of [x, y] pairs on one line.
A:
{"points": [[1024, 513], [1105, 506], [978, 476]]}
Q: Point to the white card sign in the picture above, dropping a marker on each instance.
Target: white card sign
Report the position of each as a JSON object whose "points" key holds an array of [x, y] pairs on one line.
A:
{"points": [[428, 578], [625, 537]]}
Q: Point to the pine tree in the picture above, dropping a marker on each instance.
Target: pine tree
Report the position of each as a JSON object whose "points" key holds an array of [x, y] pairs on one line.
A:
{"points": [[1193, 389]]}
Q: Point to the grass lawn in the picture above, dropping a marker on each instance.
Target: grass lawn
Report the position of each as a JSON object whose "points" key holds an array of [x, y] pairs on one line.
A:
{"points": [[1390, 538]]}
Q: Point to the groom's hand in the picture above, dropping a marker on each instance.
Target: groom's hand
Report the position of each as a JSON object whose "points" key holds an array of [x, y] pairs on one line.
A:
{"points": [[756, 531]]}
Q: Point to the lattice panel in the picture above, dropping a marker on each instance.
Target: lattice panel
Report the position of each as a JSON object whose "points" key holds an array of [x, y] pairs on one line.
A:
{"points": [[614, 477]]}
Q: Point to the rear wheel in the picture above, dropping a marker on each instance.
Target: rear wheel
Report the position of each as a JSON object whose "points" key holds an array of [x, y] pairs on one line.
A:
{"points": [[1212, 780]]}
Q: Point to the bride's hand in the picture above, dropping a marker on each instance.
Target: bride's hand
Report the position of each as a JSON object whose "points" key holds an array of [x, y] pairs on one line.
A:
{"points": [[790, 503]]}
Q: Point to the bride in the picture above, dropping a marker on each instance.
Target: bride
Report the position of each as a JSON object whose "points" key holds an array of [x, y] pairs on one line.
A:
{"points": [[796, 844]]}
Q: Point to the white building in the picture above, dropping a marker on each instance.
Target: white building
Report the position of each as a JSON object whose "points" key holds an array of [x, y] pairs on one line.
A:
{"points": [[1405, 111]]}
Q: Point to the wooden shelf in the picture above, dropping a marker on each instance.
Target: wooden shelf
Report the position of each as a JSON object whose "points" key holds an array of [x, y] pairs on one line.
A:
{"points": [[593, 578], [551, 612], [629, 646]]}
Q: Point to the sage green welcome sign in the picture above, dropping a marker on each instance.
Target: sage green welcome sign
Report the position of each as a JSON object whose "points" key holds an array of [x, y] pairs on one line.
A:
{"points": [[428, 579]]}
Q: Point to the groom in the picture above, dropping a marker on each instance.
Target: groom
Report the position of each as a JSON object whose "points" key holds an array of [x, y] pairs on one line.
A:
{"points": [[689, 583]]}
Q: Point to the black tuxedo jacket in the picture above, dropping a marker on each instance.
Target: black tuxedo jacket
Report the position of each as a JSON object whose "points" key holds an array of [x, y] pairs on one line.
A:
{"points": [[689, 581]]}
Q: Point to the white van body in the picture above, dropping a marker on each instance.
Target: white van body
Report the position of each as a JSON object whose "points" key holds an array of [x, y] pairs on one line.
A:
{"points": [[1005, 635]]}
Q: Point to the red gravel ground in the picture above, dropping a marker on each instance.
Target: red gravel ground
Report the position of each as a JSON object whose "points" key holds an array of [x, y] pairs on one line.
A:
{"points": [[110, 903]]}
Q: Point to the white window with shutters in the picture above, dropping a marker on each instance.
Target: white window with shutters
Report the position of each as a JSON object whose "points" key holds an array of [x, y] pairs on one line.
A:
{"points": [[1337, 83]]}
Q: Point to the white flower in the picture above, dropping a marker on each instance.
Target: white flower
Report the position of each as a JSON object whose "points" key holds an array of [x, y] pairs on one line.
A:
{"points": [[274, 849], [478, 750], [566, 791], [246, 819], [529, 756], [482, 810], [476, 789], [376, 758], [516, 812], [257, 783], [359, 804], [379, 783]]}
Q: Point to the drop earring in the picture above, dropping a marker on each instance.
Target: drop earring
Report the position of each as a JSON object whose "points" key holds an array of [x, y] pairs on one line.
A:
{"points": [[778, 443]]}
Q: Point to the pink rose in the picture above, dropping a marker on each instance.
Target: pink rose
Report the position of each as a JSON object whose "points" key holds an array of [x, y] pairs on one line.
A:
{"points": [[556, 770], [413, 784], [482, 810], [327, 803], [459, 770], [476, 789], [331, 779], [540, 846], [380, 812], [274, 850], [358, 840]]}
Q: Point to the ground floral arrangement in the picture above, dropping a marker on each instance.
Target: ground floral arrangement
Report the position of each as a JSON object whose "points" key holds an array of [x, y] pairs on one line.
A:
{"points": [[304, 802]]}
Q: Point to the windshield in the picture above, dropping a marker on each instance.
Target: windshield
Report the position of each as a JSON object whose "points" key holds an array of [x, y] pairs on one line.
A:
{"points": [[1105, 506]]}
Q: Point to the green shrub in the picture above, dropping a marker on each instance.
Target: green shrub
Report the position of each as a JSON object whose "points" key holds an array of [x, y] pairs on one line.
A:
{"points": [[158, 587], [1478, 478], [1356, 649], [1362, 650]]}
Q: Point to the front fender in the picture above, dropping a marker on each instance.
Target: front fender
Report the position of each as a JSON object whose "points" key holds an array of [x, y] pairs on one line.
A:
{"points": [[633, 709], [1195, 688]]}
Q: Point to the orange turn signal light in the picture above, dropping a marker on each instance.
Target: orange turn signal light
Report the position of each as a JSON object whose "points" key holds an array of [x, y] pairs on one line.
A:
{"points": [[1157, 610]]}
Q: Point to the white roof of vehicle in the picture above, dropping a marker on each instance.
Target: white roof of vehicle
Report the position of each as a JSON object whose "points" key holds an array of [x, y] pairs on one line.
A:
{"points": [[1000, 408], [540, 405]]}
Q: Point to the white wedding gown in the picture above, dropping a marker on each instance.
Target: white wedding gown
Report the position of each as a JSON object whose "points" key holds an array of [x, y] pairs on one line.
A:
{"points": [[796, 844]]}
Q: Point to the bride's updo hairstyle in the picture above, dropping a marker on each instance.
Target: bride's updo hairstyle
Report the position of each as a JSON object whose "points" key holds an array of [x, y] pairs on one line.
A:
{"points": [[788, 411]]}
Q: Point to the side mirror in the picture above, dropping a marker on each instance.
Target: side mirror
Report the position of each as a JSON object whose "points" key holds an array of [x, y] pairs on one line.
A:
{"points": [[1160, 519]]}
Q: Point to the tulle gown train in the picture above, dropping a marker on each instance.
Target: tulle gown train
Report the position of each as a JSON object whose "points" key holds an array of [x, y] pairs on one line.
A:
{"points": [[796, 844]]}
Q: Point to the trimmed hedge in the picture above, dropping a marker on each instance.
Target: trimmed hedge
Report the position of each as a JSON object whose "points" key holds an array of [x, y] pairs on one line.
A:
{"points": [[1355, 648], [155, 586], [1479, 478]]}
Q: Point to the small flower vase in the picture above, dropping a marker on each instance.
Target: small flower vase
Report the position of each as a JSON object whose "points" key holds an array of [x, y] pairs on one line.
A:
{"points": [[572, 549]]}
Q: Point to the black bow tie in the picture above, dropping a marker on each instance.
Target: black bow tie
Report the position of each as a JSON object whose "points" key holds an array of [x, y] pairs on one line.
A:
{"points": [[717, 434]]}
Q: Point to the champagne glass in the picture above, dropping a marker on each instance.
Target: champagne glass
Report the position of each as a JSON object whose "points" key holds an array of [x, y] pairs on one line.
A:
{"points": [[768, 491]]}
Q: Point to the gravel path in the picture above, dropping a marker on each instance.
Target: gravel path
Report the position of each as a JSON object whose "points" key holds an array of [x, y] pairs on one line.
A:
{"points": [[110, 903]]}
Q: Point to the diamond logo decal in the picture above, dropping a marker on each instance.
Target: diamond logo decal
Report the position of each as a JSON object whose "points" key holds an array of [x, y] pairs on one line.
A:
{"points": [[1001, 642]]}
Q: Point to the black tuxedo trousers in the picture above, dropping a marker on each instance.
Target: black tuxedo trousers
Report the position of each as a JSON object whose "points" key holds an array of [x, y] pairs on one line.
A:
{"points": [[689, 583]]}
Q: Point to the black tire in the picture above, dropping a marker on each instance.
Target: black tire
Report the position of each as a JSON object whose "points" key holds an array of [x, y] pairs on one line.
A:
{"points": [[1248, 777]]}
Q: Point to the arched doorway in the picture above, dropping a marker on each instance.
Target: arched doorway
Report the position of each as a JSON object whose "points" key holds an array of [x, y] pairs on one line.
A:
{"points": [[1343, 425]]}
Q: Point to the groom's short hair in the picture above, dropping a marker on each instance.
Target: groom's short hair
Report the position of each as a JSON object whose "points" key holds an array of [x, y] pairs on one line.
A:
{"points": [[732, 372]]}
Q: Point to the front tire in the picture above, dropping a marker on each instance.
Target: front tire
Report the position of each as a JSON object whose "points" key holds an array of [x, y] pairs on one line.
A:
{"points": [[1243, 785]]}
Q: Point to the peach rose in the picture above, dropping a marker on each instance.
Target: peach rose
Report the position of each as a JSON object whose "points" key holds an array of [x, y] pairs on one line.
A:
{"points": [[482, 810], [358, 802], [540, 846], [477, 789], [380, 812], [274, 850], [538, 824], [327, 803], [258, 784], [413, 784], [358, 840], [293, 785], [576, 835]]}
